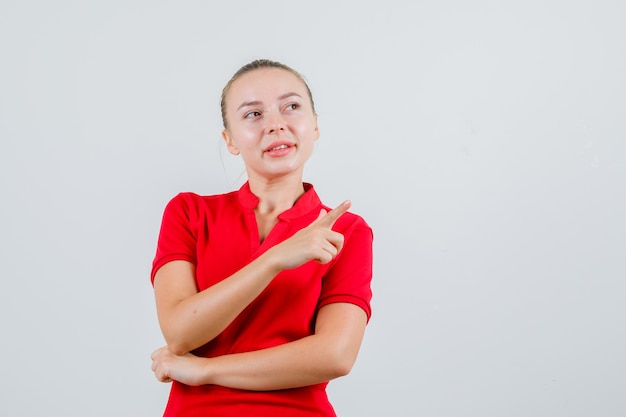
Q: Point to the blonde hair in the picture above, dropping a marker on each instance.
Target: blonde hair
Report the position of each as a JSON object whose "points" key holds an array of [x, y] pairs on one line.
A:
{"points": [[255, 65]]}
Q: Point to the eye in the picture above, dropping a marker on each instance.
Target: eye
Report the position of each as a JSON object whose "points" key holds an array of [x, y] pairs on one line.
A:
{"points": [[252, 114], [293, 106]]}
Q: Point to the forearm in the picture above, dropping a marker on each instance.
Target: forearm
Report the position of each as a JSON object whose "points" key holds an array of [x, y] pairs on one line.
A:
{"points": [[304, 362], [197, 319], [328, 354]]}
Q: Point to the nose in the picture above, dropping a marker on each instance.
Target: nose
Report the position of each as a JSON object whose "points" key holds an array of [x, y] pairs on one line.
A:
{"points": [[274, 122]]}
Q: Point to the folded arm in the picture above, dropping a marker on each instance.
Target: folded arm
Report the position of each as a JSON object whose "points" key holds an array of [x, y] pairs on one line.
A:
{"points": [[327, 354]]}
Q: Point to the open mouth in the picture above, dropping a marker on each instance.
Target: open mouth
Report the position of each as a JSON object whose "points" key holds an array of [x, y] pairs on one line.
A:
{"points": [[277, 148]]}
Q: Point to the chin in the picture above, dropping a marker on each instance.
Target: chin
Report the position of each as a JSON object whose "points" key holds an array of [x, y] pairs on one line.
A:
{"points": [[282, 173]]}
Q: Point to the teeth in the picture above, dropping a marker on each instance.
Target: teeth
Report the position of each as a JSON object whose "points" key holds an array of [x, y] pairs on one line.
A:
{"points": [[279, 147]]}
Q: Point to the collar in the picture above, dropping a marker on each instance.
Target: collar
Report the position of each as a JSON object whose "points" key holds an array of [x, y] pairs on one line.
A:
{"points": [[305, 204]]}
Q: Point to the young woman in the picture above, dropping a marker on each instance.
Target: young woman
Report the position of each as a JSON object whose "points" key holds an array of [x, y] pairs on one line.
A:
{"points": [[262, 294]]}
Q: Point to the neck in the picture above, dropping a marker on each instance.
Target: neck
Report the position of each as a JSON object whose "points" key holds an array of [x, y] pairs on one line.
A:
{"points": [[276, 196]]}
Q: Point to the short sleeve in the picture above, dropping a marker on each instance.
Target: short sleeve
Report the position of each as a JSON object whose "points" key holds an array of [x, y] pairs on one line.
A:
{"points": [[177, 240], [349, 279]]}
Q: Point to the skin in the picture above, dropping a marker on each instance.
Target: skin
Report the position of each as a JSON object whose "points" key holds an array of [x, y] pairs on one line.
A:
{"points": [[264, 108]]}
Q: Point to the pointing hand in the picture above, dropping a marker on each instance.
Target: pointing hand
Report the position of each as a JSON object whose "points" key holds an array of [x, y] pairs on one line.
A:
{"points": [[316, 242]]}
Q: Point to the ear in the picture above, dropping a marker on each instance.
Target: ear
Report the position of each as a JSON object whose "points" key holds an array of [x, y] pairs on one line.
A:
{"points": [[316, 130], [230, 144]]}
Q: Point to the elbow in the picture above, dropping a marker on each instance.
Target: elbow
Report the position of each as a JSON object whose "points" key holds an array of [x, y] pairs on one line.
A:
{"points": [[345, 367], [181, 344], [177, 346], [177, 350], [341, 370], [342, 363], [179, 341]]}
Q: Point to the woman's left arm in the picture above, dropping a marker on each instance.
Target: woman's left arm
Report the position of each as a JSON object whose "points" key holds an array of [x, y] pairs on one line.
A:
{"points": [[325, 355]]}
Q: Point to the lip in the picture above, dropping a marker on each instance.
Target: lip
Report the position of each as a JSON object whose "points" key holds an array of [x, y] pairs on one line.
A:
{"points": [[277, 144]]}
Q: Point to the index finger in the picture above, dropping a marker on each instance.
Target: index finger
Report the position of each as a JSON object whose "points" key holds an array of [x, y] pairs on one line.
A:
{"points": [[331, 217]]}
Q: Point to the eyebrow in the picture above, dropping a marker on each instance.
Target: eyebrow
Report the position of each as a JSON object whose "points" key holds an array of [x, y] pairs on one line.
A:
{"points": [[257, 102]]}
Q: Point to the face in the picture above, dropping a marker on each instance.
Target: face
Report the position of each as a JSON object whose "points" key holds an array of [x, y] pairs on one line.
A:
{"points": [[271, 123]]}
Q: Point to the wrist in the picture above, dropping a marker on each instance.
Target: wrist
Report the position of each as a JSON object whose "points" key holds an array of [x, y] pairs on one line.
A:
{"points": [[208, 372], [271, 262]]}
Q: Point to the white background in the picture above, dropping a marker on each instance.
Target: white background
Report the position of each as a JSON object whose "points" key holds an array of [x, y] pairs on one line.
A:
{"points": [[484, 142]]}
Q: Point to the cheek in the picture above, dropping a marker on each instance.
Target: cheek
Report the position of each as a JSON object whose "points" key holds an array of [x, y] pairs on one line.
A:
{"points": [[308, 130], [244, 136]]}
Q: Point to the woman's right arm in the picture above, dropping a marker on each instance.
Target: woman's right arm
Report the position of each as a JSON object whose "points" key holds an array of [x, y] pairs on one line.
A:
{"points": [[189, 318]]}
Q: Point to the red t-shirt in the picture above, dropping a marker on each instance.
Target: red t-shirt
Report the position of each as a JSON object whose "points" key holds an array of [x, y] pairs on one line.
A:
{"points": [[219, 235]]}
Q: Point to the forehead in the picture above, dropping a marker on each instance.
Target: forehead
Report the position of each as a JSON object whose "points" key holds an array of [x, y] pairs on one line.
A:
{"points": [[265, 84]]}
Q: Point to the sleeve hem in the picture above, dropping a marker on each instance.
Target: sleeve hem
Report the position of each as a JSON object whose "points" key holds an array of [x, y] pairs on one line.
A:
{"points": [[169, 258], [347, 298]]}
